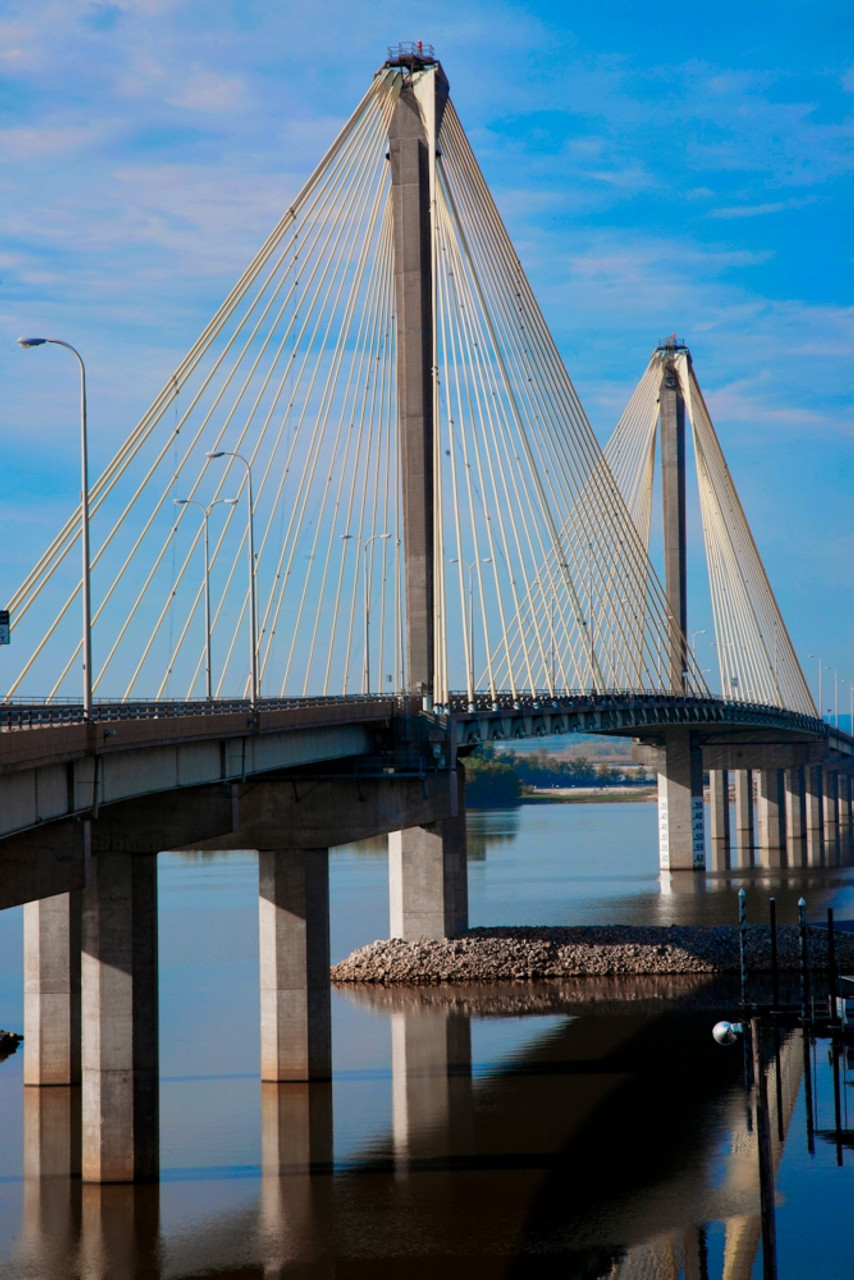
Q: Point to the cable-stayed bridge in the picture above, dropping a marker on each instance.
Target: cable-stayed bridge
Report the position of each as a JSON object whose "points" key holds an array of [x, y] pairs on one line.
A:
{"points": [[365, 526]]}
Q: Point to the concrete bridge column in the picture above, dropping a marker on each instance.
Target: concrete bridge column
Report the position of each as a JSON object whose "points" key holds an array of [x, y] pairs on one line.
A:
{"points": [[428, 880], [119, 1016], [681, 821], [52, 990], [744, 831], [771, 815], [795, 817], [719, 819], [813, 813], [293, 917], [830, 805], [844, 801]]}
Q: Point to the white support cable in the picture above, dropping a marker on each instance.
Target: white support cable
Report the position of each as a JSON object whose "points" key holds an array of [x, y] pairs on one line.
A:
{"points": [[446, 154], [102, 485]]}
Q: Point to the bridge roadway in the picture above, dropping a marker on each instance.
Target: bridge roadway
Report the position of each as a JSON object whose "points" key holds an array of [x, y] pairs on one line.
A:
{"points": [[60, 773], [87, 805]]}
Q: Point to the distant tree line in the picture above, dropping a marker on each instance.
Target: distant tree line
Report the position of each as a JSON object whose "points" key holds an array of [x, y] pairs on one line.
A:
{"points": [[500, 777]]}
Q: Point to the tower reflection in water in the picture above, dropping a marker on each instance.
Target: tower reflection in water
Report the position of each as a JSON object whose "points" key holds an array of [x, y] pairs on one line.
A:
{"points": [[583, 1130]]}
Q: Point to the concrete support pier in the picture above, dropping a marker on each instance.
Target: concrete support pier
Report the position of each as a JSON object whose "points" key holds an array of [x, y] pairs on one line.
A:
{"points": [[771, 818], [428, 880], [794, 788], [812, 814], [744, 831], [830, 805], [844, 785], [119, 1017], [52, 990], [719, 834], [681, 823], [293, 919]]}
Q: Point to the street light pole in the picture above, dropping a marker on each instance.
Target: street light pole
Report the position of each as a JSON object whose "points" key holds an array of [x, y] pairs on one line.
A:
{"points": [[590, 617], [84, 518], [206, 510], [253, 622], [364, 543], [470, 566], [820, 696], [835, 696]]}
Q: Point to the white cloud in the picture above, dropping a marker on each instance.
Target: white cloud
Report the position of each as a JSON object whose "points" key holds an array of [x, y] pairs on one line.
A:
{"points": [[207, 91]]}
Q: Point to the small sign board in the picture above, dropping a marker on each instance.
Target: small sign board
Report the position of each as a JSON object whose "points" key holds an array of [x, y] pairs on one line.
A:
{"points": [[5, 629]]}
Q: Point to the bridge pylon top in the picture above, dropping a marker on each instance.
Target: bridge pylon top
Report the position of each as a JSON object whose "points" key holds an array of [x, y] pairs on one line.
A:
{"points": [[414, 55], [671, 344]]}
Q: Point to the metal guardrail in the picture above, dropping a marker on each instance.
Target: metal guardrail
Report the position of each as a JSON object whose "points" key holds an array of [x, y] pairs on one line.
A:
{"points": [[714, 710], [33, 714], [407, 50]]}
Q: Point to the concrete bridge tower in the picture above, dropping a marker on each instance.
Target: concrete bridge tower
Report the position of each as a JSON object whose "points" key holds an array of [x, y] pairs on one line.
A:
{"points": [[412, 154], [681, 830]]}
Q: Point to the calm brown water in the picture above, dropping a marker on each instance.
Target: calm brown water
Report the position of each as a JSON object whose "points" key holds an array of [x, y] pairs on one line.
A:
{"points": [[575, 1130]]}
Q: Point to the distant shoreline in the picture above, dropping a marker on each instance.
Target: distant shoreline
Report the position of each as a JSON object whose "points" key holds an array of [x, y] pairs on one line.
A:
{"points": [[587, 795]]}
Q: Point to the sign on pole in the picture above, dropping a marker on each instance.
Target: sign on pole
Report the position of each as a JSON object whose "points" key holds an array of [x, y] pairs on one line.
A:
{"points": [[5, 629]]}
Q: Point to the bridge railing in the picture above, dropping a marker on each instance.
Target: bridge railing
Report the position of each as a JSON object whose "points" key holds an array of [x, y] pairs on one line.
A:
{"points": [[30, 713], [34, 713]]}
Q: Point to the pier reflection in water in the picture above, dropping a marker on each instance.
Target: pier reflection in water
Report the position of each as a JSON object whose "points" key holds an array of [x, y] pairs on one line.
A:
{"points": [[574, 1129]]}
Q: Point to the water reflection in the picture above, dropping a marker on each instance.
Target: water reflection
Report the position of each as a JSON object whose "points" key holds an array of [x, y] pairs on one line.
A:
{"points": [[577, 1129], [614, 1141]]}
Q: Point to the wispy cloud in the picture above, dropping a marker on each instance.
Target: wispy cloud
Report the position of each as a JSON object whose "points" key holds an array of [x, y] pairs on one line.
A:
{"points": [[760, 210]]}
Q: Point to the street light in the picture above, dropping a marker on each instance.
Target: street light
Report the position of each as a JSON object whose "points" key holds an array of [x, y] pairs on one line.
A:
{"points": [[470, 565], [364, 543], [820, 698], [84, 518], [850, 684], [253, 623], [694, 634], [835, 695], [206, 510]]}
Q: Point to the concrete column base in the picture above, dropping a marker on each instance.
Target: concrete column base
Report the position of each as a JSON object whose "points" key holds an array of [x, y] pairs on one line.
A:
{"points": [[52, 990], [813, 814], [681, 820], [794, 790], [771, 819], [744, 827], [719, 836], [293, 919], [119, 1013], [428, 880]]}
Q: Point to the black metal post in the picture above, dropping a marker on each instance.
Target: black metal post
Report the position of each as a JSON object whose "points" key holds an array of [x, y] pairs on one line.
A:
{"points": [[831, 968], [766, 1166], [775, 975], [804, 959], [808, 1098]]}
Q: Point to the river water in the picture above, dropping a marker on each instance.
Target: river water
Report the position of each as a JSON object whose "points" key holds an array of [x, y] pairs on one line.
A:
{"points": [[576, 1129]]}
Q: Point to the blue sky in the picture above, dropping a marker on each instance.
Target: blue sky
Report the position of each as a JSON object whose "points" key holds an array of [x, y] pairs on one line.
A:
{"points": [[682, 169]]}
